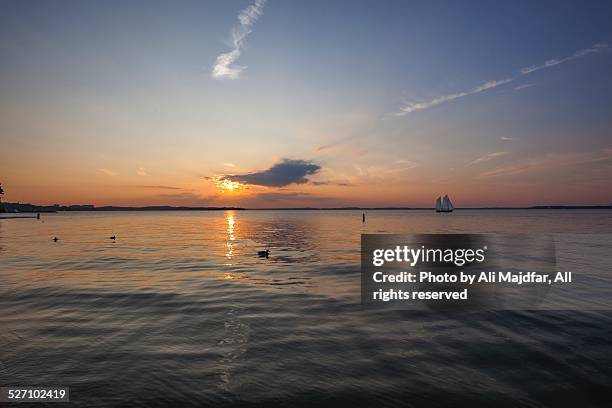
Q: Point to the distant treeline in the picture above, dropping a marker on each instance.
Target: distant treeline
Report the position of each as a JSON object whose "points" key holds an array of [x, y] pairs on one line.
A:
{"points": [[32, 208], [571, 207]]}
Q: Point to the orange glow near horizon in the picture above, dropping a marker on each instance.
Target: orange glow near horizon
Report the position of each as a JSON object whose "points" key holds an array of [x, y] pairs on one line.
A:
{"points": [[186, 123], [225, 185]]}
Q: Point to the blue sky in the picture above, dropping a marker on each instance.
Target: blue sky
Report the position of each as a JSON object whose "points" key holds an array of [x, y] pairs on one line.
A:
{"points": [[122, 96]]}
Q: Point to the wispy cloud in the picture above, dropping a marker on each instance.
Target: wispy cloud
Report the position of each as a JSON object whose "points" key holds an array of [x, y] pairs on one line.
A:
{"points": [[488, 157], [406, 164], [158, 187], [325, 147], [107, 172], [597, 48], [274, 196], [523, 86], [420, 105], [229, 164], [346, 146], [187, 198], [414, 106], [142, 172], [550, 161], [331, 183], [505, 138], [224, 65]]}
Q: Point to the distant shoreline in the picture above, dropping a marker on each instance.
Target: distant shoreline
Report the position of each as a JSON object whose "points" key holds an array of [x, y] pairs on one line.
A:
{"points": [[17, 208], [537, 207]]}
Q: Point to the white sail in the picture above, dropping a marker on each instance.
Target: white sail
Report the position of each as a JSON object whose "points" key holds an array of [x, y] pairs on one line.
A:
{"points": [[445, 204], [450, 204], [438, 204]]}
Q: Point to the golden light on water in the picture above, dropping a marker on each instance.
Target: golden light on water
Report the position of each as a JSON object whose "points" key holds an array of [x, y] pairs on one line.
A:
{"points": [[231, 222], [229, 251]]}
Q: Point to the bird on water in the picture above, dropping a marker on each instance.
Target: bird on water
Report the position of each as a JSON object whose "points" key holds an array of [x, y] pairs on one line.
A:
{"points": [[113, 238], [55, 239], [263, 254]]}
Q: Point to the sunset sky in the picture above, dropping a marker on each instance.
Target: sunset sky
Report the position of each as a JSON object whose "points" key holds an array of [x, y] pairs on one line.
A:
{"points": [[311, 103]]}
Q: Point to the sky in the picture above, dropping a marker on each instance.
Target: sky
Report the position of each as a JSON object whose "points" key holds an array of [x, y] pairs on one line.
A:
{"points": [[265, 104]]}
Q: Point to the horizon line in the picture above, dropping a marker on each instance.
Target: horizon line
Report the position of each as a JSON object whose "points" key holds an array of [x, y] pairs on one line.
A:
{"points": [[93, 208]]}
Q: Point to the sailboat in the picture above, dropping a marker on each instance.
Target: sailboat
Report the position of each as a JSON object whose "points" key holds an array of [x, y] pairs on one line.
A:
{"points": [[444, 204]]}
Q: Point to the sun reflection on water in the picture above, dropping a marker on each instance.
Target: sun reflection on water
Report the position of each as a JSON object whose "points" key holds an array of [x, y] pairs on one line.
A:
{"points": [[229, 244]]}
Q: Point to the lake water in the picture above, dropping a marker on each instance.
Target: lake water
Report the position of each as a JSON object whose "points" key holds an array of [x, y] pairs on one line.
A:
{"points": [[181, 310]]}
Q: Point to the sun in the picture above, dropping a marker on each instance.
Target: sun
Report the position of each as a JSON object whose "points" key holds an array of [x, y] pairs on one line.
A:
{"points": [[226, 185]]}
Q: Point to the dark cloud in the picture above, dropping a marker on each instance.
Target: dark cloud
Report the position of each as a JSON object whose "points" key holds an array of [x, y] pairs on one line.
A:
{"points": [[332, 183], [281, 174]]}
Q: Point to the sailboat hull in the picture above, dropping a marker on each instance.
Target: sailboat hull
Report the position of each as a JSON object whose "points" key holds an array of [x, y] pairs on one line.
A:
{"points": [[443, 211]]}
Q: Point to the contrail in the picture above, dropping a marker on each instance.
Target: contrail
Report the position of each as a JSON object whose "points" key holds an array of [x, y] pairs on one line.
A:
{"points": [[414, 106], [224, 68]]}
